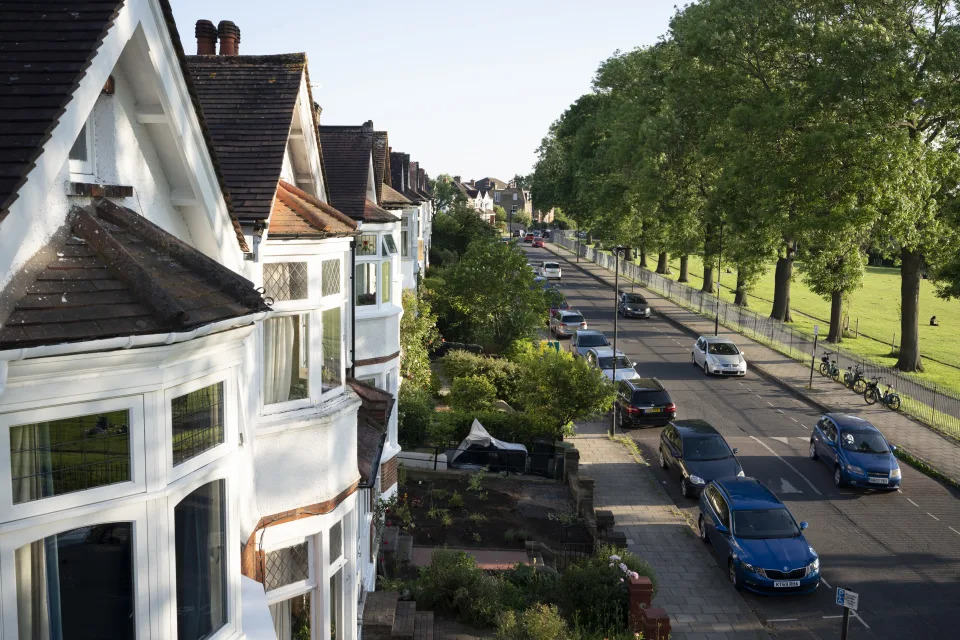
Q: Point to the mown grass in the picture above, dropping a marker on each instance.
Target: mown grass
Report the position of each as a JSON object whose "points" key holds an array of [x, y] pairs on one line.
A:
{"points": [[877, 307]]}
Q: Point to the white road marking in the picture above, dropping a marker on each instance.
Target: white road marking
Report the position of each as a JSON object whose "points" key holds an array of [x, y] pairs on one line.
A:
{"points": [[832, 617], [824, 581], [933, 516], [857, 616], [792, 468], [804, 426], [782, 620], [780, 411], [780, 439], [786, 487], [954, 530], [794, 419], [913, 503]]}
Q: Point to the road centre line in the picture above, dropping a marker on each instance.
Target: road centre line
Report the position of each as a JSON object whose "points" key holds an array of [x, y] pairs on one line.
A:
{"points": [[954, 530], [792, 468], [782, 620], [768, 402], [832, 617], [913, 503], [794, 419], [933, 516]]}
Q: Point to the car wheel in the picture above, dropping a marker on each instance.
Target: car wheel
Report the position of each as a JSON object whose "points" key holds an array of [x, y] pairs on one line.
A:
{"points": [[732, 574], [813, 451], [703, 531], [706, 370], [693, 359], [663, 461], [685, 488], [838, 477]]}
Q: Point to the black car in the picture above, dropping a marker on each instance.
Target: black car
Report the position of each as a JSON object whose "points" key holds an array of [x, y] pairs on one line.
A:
{"points": [[698, 453], [643, 402], [546, 235], [633, 305]]}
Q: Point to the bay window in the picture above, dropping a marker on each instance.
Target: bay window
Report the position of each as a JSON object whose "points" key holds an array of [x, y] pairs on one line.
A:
{"points": [[200, 563], [373, 275], [198, 422], [405, 237]]}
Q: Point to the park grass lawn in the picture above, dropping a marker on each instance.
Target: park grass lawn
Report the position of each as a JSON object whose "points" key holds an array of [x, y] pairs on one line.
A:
{"points": [[877, 307]]}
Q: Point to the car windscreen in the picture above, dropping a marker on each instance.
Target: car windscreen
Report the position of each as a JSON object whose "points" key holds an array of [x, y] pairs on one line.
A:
{"points": [[551, 265], [764, 523], [622, 363], [864, 442], [592, 340], [723, 349], [633, 298], [571, 318], [656, 397], [709, 448]]}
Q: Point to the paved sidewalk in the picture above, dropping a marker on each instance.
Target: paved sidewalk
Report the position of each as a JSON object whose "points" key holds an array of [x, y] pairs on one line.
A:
{"points": [[938, 451], [692, 588]]}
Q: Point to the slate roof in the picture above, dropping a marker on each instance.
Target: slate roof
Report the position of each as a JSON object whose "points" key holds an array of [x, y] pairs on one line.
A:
{"points": [[376, 214], [297, 214], [111, 272], [376, 405], [393, 198], [248, 103], [381, 161], [347, 151], [45, 50]]}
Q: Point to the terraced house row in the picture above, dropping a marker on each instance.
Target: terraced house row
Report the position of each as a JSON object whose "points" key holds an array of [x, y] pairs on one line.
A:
{"points": [[199, 332]]}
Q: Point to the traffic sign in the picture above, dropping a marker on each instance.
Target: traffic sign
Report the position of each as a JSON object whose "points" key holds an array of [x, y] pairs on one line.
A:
{"points": [[847, 598]]}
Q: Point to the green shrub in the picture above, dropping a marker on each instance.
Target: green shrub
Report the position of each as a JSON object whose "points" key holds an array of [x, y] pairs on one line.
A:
{"points": [[517, 535], [472, 393], [456, 500], [455, 585], [501, 373], [539, 622], [536, 583], [414, 415]]}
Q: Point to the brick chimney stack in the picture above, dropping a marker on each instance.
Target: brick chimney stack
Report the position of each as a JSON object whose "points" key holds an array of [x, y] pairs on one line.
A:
{"points": [[206, 38], [367, 126], [229, 38], [456, 179]]}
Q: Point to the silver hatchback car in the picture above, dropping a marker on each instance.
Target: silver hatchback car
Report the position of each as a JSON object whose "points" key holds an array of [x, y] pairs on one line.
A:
{"points": [[563, 322]]}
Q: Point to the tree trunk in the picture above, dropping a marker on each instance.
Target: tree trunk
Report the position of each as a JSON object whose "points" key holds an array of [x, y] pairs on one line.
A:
{"points": [[707, 279], [911, 264], [684, 269], [643, 258], [662, 262], [836, 318], [740, 298], [781, 285]]}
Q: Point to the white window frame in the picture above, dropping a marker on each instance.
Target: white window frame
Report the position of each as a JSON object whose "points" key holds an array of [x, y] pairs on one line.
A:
{"points": [[143, 559], [232, 546], [300, 587], [84, 168], [134, 405], [378, 260], [230, 422]]}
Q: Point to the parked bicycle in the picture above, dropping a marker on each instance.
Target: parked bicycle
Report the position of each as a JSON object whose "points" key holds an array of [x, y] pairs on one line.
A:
{"points": [[889, 397], [854, 379], [829, 367]]}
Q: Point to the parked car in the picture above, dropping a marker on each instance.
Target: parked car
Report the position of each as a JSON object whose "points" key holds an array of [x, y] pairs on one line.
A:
{"points": [[538, 242], [857, 452], [537, 233], [698, 454], [535, 266], [584, 339], [528, 237], [518, 233], [603, 358], [550, 270], [757, 538], [541, 283], [564, 322], [633, 305], [546, 234], [643, 402], [718, 356]]}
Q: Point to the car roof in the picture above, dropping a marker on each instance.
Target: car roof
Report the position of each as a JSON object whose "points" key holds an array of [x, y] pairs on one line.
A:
{"points": [[588, 332], [717, 339], [694, 428], [603, 352], [569, 312], [848, 422], [644, 383], [748, 493]]}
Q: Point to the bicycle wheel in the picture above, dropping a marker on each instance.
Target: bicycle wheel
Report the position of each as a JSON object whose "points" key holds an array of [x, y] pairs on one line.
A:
{"points": [[894, 402], [859, 386], [871, 395], [836, 374], [824, 369]]}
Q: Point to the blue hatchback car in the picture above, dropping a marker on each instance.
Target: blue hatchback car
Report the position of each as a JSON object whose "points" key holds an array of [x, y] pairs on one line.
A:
{"points": [[856, 451], [757, 537]]}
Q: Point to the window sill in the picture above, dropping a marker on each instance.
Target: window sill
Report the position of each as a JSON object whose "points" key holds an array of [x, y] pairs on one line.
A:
{"points": [[384, 310], [307, 418]]}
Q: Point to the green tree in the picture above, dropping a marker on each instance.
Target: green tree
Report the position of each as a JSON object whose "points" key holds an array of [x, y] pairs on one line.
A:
{"points": [[446, 194], [453, 230], [418, 333]]}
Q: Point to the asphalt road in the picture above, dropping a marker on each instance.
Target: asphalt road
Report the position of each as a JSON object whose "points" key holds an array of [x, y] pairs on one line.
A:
{"points": [[900, 551]]}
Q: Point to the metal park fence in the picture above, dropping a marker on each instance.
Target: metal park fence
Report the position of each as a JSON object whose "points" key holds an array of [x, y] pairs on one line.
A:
{"points": [[928, 402]]}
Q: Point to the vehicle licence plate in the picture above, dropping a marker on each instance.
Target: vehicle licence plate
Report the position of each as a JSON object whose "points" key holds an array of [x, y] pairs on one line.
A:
{"points": [[878, 480], [786, 583], [654, 410]]}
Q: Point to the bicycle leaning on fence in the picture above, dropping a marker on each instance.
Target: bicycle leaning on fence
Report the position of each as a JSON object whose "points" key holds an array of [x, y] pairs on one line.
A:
{"points": [[854, 379], [888, 397], [829, 367]]}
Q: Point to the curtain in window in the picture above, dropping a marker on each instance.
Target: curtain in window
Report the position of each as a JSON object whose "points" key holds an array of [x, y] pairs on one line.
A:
{"points": [[33, 608], [30, 461], [201, 573], [332, 342], [278, 358]]}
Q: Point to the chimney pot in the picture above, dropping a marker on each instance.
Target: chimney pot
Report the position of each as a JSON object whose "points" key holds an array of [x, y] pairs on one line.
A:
{"points": [[206, 38], [229, 38]]}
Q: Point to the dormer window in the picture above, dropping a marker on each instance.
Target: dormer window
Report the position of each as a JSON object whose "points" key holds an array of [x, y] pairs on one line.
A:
{"points": [[81, 154]]}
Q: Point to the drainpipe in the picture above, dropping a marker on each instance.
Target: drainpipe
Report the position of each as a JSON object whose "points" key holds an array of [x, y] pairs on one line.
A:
{"points": [[353, 308]]}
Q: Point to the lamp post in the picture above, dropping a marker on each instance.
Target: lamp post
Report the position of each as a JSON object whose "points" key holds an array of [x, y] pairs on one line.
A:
{"points": [[616, 314], [716, 320]]}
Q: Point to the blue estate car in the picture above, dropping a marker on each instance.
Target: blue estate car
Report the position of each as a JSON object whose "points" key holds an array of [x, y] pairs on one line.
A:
{"points": [[856, 451], [754, 533]]}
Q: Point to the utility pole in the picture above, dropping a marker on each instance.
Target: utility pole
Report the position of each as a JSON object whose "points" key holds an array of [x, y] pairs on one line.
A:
{"points": [[716, 320], [616, 315]]}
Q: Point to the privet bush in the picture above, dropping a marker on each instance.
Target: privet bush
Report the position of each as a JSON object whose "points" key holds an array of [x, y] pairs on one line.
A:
{"points": [[539, 622], [414, 415], [455, 585], [472, 393], [500, 372]]}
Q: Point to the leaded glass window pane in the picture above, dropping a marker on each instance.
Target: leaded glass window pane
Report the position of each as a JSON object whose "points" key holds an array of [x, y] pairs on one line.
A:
{"points": [[331, 277], [367, 245], [336, 541], [285, 280], [197, 422], [332, 374], [67, 455], [286, 566], [389, 246]]}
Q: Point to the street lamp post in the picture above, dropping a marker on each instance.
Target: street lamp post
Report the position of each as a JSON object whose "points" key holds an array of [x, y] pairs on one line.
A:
{"points": [[616, 315], [716, 320]]}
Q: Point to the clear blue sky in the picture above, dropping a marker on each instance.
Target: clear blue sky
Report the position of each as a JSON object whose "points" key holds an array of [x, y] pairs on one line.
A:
{"points": [[465, 88]]}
